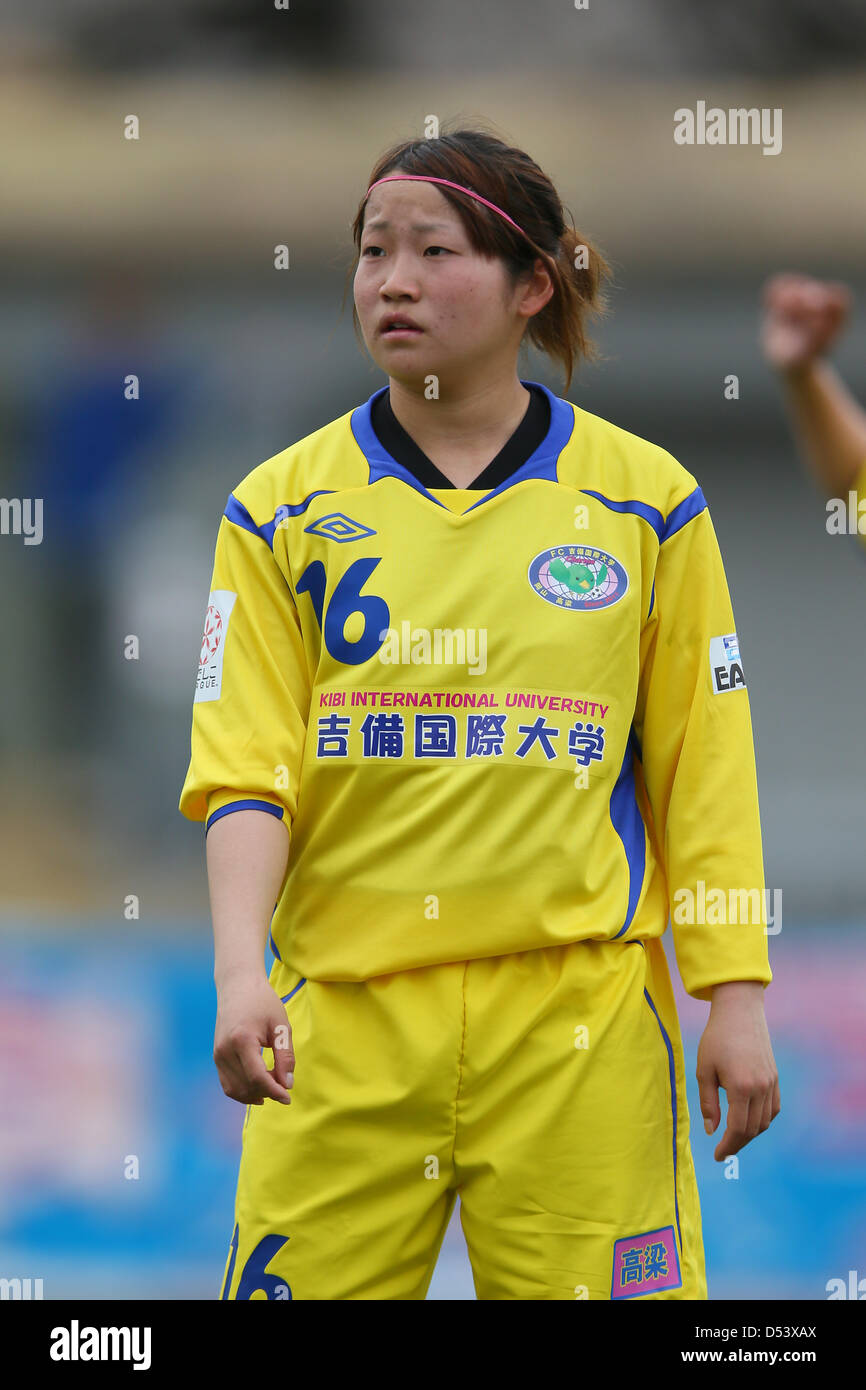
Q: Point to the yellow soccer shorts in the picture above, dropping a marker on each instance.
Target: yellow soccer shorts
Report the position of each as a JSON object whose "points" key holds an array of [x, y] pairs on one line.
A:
{"points": [[547, 1088]]}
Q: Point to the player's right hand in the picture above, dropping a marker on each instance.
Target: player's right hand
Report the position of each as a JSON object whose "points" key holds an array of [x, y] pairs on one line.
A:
{"points": [[802, 318], [251, 1016]]}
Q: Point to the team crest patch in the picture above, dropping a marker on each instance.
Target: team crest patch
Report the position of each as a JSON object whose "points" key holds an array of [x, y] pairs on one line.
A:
{"points": [[578, 576], [646, 1263], [213, 644]]}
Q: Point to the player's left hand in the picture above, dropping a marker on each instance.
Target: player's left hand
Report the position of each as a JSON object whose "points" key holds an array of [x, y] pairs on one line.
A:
{"points": [[735, 1053]]}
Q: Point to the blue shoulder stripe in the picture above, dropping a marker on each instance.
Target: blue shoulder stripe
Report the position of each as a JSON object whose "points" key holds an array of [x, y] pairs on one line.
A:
{"points": [[237, 512], [685, 511], [635, 508], [664, 527]]}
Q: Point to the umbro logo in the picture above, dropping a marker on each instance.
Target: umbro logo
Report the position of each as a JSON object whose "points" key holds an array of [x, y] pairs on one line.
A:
{"points": [[339, 527]]}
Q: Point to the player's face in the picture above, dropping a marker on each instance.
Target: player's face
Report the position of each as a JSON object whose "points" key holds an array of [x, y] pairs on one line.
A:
{"points": [[416, 261]]}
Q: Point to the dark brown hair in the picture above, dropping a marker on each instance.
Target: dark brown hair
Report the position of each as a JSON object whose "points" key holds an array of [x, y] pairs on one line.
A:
{"points": [[508, 177]]}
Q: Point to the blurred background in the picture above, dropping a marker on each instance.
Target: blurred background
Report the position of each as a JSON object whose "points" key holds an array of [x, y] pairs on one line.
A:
{"points": [[154, 257]]}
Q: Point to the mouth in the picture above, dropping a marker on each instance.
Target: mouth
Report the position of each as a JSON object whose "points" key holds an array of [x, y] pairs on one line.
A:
{"points": [[399, 328]]}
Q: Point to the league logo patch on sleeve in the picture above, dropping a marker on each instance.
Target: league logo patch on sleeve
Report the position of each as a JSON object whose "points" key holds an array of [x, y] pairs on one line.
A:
{"points": [[725, 664], [645, 1263], [213, 644]]}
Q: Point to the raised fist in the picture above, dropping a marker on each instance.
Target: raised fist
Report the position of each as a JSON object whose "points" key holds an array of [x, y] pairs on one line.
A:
{"points": [[802, 318]]}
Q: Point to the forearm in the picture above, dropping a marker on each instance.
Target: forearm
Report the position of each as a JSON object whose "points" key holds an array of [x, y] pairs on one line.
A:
{"points": [[738, 991], [247, 853], [829, 423]]}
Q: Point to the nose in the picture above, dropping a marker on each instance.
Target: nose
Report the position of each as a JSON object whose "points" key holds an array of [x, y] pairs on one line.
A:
{"points": [[400, 279]]}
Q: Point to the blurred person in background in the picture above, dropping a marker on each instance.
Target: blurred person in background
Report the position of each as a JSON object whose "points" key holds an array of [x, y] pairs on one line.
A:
{"points": [[802, 319], [90, 428]]}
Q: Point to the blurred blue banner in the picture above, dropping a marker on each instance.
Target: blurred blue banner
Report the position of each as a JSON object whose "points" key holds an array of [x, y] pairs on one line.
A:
{"points": [[118, 1168]]}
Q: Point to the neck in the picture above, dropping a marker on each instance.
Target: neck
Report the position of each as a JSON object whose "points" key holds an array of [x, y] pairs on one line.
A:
{"points": [[461, 431]]}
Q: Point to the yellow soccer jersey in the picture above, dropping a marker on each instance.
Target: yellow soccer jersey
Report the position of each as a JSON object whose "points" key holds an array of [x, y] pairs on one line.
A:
{"points": [[490, 721]]}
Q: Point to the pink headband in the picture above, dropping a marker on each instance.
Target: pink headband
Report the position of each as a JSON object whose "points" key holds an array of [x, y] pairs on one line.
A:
{"points": [[428, 178]]}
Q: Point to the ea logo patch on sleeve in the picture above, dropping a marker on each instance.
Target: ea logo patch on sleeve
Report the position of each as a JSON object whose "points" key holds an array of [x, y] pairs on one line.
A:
{"points": [[213, 644], [725, 664]]}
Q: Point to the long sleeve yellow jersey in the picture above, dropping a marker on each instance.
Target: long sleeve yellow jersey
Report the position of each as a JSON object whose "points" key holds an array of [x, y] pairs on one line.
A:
{"points": [[491, 721]]}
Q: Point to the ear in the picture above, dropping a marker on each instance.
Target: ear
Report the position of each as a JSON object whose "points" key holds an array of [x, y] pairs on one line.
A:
{"points": [[537, 289]]}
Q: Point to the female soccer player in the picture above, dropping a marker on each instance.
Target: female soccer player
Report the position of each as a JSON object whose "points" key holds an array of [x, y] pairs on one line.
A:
{"points": [[471, 711]]}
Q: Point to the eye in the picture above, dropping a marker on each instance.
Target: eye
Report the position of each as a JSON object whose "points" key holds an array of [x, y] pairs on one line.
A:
{"points": [[438, 248], [370, 248]]}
